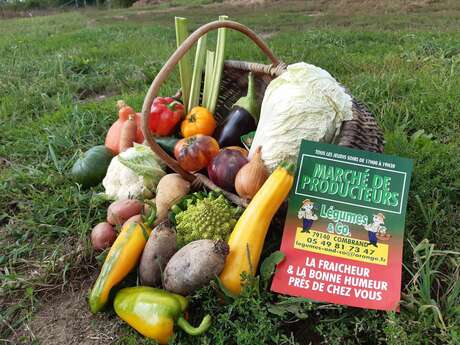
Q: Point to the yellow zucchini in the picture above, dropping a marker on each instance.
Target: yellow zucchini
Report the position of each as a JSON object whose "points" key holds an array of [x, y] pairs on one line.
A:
{"points": [[121, 259], [249, 233]]}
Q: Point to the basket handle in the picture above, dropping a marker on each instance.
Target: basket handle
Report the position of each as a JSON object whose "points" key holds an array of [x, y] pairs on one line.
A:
{"points": [[166, 71]]}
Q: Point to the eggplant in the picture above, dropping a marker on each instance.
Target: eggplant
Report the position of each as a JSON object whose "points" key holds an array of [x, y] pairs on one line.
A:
{"points": [[241, 120]]}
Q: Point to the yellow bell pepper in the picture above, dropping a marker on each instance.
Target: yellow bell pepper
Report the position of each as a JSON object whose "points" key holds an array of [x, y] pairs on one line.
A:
{"points": [[249, 233], [153, 312], [121, 259]]}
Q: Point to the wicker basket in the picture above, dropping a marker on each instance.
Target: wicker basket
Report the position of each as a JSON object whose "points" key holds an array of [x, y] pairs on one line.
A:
{"points": [[362, 132]]}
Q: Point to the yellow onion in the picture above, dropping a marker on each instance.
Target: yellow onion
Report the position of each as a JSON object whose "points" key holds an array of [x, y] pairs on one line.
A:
{"points": [[251, 176]]}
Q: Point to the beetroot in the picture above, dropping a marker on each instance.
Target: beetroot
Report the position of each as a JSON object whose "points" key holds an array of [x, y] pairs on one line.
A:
{"points": [[224, 167]]}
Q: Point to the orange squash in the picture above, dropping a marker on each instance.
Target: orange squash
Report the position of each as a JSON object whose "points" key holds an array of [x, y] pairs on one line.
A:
{"points": [[112, 139], [139, 134]]}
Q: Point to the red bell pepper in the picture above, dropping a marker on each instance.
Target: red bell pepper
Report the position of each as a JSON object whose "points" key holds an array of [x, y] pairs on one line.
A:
{"points": [[165, 114]]}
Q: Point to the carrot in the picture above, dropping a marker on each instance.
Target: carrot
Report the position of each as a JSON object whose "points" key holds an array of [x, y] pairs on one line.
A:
{"points": [[128, 133], [124, 110]]}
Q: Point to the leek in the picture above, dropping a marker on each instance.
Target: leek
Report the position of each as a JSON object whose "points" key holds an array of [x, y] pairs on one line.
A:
{"points": [[197, 73], [185, 65], [209, 69], [218, 67]]}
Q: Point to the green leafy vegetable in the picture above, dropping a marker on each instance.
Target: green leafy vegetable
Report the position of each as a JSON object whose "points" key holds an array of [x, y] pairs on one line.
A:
{"points": [[269, 264], [297, 306], [143, 162], [185, 64], [209, 69], [218, 66], [197, 73]]}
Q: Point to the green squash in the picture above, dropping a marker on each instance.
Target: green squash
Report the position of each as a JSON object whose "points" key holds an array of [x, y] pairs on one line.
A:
{"points": [[90, 169], [167, 144]]}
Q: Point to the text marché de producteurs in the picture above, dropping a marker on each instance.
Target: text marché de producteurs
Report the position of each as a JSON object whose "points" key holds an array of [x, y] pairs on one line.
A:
{"points": [[350, 183]]}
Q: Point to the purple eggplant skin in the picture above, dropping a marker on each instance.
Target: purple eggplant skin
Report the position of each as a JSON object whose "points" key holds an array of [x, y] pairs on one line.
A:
{"points": [[238, 122]]}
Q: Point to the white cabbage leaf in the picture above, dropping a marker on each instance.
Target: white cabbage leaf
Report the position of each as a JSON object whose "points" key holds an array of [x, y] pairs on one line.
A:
{"points": [[305, 102]]}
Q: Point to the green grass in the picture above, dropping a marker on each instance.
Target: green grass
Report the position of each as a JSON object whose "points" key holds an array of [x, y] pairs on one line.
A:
{"points": [[404, 64]]}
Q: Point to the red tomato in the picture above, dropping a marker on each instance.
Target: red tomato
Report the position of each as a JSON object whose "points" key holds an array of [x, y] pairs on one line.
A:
{"points": [[196, 152]]}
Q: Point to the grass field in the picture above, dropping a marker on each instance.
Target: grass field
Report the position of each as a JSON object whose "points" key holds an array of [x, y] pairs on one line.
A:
{"points": [[60, 76]]}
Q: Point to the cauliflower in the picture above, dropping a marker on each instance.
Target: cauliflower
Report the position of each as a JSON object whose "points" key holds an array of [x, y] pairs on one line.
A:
{"points": [[121, 182], [134, 173], [210, 218]]}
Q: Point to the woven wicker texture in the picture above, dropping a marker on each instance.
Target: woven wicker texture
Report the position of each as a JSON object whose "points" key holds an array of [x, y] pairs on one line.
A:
{"points": [[362, 132]]}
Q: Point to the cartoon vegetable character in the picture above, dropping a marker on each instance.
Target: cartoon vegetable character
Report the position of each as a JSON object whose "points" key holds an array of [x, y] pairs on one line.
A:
{"points": [[375, 228], [153, 312], [307, 215]]}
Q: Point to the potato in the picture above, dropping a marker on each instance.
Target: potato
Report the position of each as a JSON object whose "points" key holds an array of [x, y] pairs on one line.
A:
{"points": [[102, 236], [120, 211], [195, 265], [160, 246], [170, 189]]}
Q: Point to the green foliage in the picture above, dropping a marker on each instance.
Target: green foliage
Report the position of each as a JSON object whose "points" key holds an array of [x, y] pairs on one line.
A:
{"points": [[435, 184], [245, 320], [434, 290], [268, 266]]}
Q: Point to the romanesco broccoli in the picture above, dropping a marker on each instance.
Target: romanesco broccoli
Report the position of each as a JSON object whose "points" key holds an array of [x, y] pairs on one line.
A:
{"points": [[208, 218]]}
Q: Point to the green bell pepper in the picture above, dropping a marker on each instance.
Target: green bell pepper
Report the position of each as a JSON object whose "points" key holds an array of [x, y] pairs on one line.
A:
{"points": [[153, 312]]}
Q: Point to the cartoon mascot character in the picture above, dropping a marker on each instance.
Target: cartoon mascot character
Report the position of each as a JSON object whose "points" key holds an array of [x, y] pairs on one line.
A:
{"points": [[307, 215], [375, 227]]}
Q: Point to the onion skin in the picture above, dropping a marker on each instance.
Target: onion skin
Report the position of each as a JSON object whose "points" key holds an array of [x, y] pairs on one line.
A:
{"points": [[251, 177], [224, 167], [243, 151]]}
